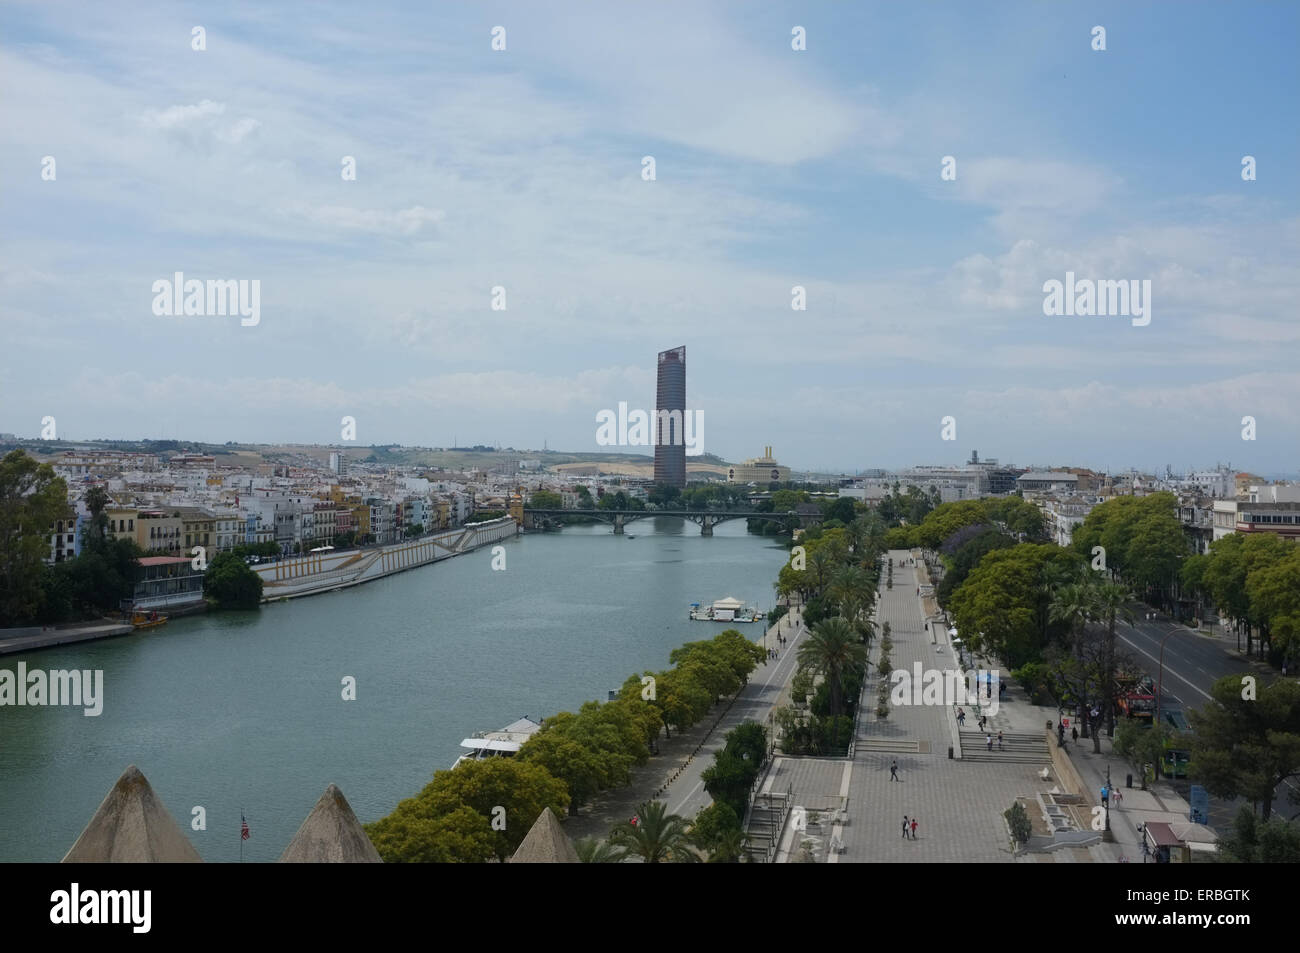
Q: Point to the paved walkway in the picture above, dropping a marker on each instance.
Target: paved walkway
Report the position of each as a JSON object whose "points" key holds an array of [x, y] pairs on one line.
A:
{"points": [[29, 640], [682, 759]]}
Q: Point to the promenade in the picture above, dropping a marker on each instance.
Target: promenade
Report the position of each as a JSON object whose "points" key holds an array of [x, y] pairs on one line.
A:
{"points": [[673, 775], [46, 637]]}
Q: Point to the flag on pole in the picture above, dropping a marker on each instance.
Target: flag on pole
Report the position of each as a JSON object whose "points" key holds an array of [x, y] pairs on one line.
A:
{"points": [[243, 827]]}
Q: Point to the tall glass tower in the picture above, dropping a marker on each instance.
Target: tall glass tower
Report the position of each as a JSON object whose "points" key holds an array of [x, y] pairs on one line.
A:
{"points": [[670, 413]]}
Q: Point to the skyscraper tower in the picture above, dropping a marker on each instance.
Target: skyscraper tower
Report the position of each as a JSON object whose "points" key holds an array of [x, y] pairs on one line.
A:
{"points": [[670, 412]]}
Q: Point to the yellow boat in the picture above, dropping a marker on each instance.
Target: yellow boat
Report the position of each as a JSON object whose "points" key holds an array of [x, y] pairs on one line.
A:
{"points": [[143, 620]]}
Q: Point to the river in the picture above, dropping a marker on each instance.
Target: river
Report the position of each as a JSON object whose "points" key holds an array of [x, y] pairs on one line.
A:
{"points": [[244, 711]]}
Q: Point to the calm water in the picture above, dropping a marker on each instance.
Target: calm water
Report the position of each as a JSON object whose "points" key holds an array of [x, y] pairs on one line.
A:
{"points": [[244, 710]]}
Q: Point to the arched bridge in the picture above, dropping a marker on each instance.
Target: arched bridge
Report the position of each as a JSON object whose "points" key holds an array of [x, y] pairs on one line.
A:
{"points": [[707, 519]]}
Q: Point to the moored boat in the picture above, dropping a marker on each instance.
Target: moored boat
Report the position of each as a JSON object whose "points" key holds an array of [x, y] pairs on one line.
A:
{"points": [[729, 609], [498, 744]]}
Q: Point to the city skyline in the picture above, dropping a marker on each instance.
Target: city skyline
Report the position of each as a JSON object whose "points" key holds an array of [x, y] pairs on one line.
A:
{"points": [[523, 169]]}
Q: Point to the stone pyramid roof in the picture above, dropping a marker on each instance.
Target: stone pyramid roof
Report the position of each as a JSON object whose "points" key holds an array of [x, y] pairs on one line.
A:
{"points": [[331, 834], [546, 843], [132, 826]]}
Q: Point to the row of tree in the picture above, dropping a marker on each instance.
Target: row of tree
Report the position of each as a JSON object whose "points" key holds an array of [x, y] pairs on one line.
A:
{"points": [[835, 570], [1254, 579], [573, 757]]}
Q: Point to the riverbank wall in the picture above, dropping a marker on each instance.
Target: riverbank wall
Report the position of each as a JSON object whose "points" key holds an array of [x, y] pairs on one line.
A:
{"points": [[315, 573]]}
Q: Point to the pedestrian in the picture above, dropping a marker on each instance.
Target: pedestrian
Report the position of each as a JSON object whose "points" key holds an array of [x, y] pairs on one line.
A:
{"points": [[1105, 796], [913, 828], [989, 739], [893, 771], [961, 718], [999, 741], [905, 826], [1118, 796], [1074, 734], [983, 719]]}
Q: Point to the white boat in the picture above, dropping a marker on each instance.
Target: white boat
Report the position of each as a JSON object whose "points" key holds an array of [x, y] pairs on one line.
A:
{"points": [[729, 609], [498, 744]]}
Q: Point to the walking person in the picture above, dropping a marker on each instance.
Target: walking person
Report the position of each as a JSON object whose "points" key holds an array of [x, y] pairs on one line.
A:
{"points": [[913, 828], [893, 771], [989, 739], [1118, 795], [999, 741], [983, 719], [961, 718], [1074, 734], [905, 827]]}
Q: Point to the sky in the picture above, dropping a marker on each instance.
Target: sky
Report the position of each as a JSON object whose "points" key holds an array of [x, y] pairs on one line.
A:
{"points": [[522, 169]]}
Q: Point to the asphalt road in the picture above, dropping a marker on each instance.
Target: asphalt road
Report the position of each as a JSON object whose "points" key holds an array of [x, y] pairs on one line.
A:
{"points": [[1192, 664]]}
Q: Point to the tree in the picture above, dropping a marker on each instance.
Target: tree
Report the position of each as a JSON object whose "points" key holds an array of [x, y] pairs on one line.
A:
{"points": [[32, 498], [1255, 841], [411, 836], [1002, 605], [1018, 823], [712, 825], [832, 647], [1109, 606], [1140, 745], [1247, 742], [576, 765], [508, 789], [1274, 594], [546, 500], [657, 837], [593, 850], [230, 583], [96, 500]]}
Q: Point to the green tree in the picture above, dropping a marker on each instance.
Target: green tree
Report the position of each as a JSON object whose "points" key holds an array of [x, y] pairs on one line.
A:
{"points": [[546, 500], [712, 824], [1247, 746], [832, 647], [1110, 605], [1002, 605], [410, 835], [1274, 593], [593, 850], [578, 766], [522, 788], [1140, 745], [1255, 841], [32, 498], [657, 837], [1018, 823], [231, 584]]}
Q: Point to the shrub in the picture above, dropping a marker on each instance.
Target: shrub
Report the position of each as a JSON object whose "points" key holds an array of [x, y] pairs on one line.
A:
{"points": [[1018, 823]]}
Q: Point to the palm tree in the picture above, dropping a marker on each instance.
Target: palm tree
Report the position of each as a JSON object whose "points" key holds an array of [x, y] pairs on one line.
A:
{"points": [[729, 848], [1110, 604], [848, 582], [593, 850], [1073, 604], [831, 648], [820, 563], [657, 837]]}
